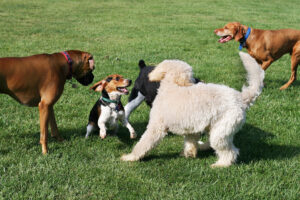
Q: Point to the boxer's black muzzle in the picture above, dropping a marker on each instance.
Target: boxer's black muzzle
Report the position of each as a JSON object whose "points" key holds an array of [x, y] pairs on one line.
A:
{"points": [[87, 79]]}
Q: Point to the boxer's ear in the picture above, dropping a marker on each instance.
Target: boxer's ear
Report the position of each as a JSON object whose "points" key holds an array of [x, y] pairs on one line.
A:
{"points": [[99, 86], [88, 58]]}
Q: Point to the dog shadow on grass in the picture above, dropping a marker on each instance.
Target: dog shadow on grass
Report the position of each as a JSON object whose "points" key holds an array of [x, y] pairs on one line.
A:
{"points": [[252, 142], [254, 146]]}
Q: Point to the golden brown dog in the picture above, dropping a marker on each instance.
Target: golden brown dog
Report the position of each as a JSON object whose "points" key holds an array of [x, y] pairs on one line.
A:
{"points": [[39, 80], [266, 46]]}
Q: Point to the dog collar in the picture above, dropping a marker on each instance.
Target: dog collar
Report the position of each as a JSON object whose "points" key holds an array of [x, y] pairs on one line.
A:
{"points": [[109, 100], [70, 62], [243, 40]]}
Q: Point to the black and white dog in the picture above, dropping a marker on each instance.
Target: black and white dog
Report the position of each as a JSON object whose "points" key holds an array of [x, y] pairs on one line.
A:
{"points": [[143, 89]]}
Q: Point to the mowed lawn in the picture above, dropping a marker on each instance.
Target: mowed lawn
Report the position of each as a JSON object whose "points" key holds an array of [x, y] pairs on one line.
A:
{"points": [[120, 33]]}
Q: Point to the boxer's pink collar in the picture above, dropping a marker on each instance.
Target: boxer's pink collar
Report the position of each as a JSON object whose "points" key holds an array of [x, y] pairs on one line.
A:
{"points": [[70, 62]]}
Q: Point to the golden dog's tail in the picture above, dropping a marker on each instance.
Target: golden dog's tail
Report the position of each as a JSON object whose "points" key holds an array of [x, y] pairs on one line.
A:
{"points": [[255, 78]]}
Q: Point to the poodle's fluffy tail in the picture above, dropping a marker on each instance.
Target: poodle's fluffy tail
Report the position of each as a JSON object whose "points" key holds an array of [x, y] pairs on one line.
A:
{"points": [[255, 77]]}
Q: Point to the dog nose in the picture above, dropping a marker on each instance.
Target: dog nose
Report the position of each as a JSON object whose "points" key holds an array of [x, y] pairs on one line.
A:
{"points": [[216, 30], [129, 82]]}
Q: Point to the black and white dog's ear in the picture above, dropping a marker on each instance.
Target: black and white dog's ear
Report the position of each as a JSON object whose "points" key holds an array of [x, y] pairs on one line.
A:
{"points": [[142, 64]]}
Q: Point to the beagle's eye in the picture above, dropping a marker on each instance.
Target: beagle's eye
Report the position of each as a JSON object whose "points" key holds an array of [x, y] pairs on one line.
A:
{"points": [[118, 78], [108, 79]]}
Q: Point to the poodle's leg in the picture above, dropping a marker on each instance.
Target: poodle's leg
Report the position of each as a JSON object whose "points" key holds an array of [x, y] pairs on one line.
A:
{"points": [[203, 146], [148, 141], [221, 139], [135, 99], [190, 146]]}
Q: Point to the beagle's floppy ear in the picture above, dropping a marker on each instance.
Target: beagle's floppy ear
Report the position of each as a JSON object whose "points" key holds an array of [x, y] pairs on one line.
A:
{"points": [[240, 33], [99, 86]]}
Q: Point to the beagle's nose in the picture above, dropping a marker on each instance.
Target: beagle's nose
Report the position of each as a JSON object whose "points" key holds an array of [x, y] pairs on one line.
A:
{"points": [[216, 30]]}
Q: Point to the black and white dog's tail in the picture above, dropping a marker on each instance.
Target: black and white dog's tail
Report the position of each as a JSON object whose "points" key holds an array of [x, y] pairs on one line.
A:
{"points": [[142, 64]]}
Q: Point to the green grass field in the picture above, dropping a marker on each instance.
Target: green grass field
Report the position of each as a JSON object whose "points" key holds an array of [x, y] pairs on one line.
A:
{"points": [[119, 34]]}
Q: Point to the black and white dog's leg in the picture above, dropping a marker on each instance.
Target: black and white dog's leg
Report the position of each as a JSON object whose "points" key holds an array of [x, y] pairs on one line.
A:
{"points": [[135, 99], [129, 127], [90, 128], [102, 120]]}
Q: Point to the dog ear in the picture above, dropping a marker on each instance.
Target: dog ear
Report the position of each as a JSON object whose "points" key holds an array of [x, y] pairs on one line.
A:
{"points": [[183, 79], [240, 33], [156, 75], [99, 86], [88, 58]]}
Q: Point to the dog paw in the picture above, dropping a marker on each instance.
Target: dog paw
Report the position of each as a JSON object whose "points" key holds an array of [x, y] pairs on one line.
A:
{"points": [[220, 165], [132, 135], [59, 139], [102, 135], [129, 157]]}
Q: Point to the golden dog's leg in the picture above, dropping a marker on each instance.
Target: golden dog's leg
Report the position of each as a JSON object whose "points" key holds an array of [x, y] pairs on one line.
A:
{"points": [[266, 64], [44, 118], [53, 125], [295, 60]]}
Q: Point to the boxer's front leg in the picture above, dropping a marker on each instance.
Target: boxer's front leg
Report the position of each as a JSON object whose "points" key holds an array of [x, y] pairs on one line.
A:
{"points": [[44, 119]]}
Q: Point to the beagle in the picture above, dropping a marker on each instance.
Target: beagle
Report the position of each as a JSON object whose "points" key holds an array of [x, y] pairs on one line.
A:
{"points": [[109, 109]]}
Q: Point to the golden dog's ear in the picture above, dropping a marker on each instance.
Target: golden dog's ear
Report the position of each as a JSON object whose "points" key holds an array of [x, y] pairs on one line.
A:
{"points": [[240, 33], [99, 86]]}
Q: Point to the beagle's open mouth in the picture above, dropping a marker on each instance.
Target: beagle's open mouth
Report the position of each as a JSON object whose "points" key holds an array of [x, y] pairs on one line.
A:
{"points": [[123, 90], [225, 38]]}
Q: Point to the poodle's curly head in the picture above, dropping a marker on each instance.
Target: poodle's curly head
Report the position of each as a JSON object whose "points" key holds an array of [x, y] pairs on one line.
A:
{"points": [[174, 71]]}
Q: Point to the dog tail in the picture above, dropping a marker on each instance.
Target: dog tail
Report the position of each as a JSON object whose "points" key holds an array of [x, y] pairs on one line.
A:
{"points": [[142, 64], [255, 78]]}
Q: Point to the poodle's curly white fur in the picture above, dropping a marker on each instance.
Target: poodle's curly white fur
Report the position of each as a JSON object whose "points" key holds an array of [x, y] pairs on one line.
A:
{"points": [[188, 109]]}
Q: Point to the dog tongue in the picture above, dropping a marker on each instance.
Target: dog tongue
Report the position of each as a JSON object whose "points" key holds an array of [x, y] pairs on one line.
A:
{"points": [[225, 39], [124, 90]]}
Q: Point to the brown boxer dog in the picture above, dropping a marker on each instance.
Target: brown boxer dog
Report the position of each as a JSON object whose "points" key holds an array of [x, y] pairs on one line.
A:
{"points": [[39, 80]]}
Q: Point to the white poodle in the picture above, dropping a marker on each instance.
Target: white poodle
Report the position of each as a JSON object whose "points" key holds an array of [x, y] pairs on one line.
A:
{"points": [[188, 109]]}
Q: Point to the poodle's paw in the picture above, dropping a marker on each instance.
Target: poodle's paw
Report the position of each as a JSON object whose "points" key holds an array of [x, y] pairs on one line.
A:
{"points": [[129, 157], [220, 165], [190, 153]]}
